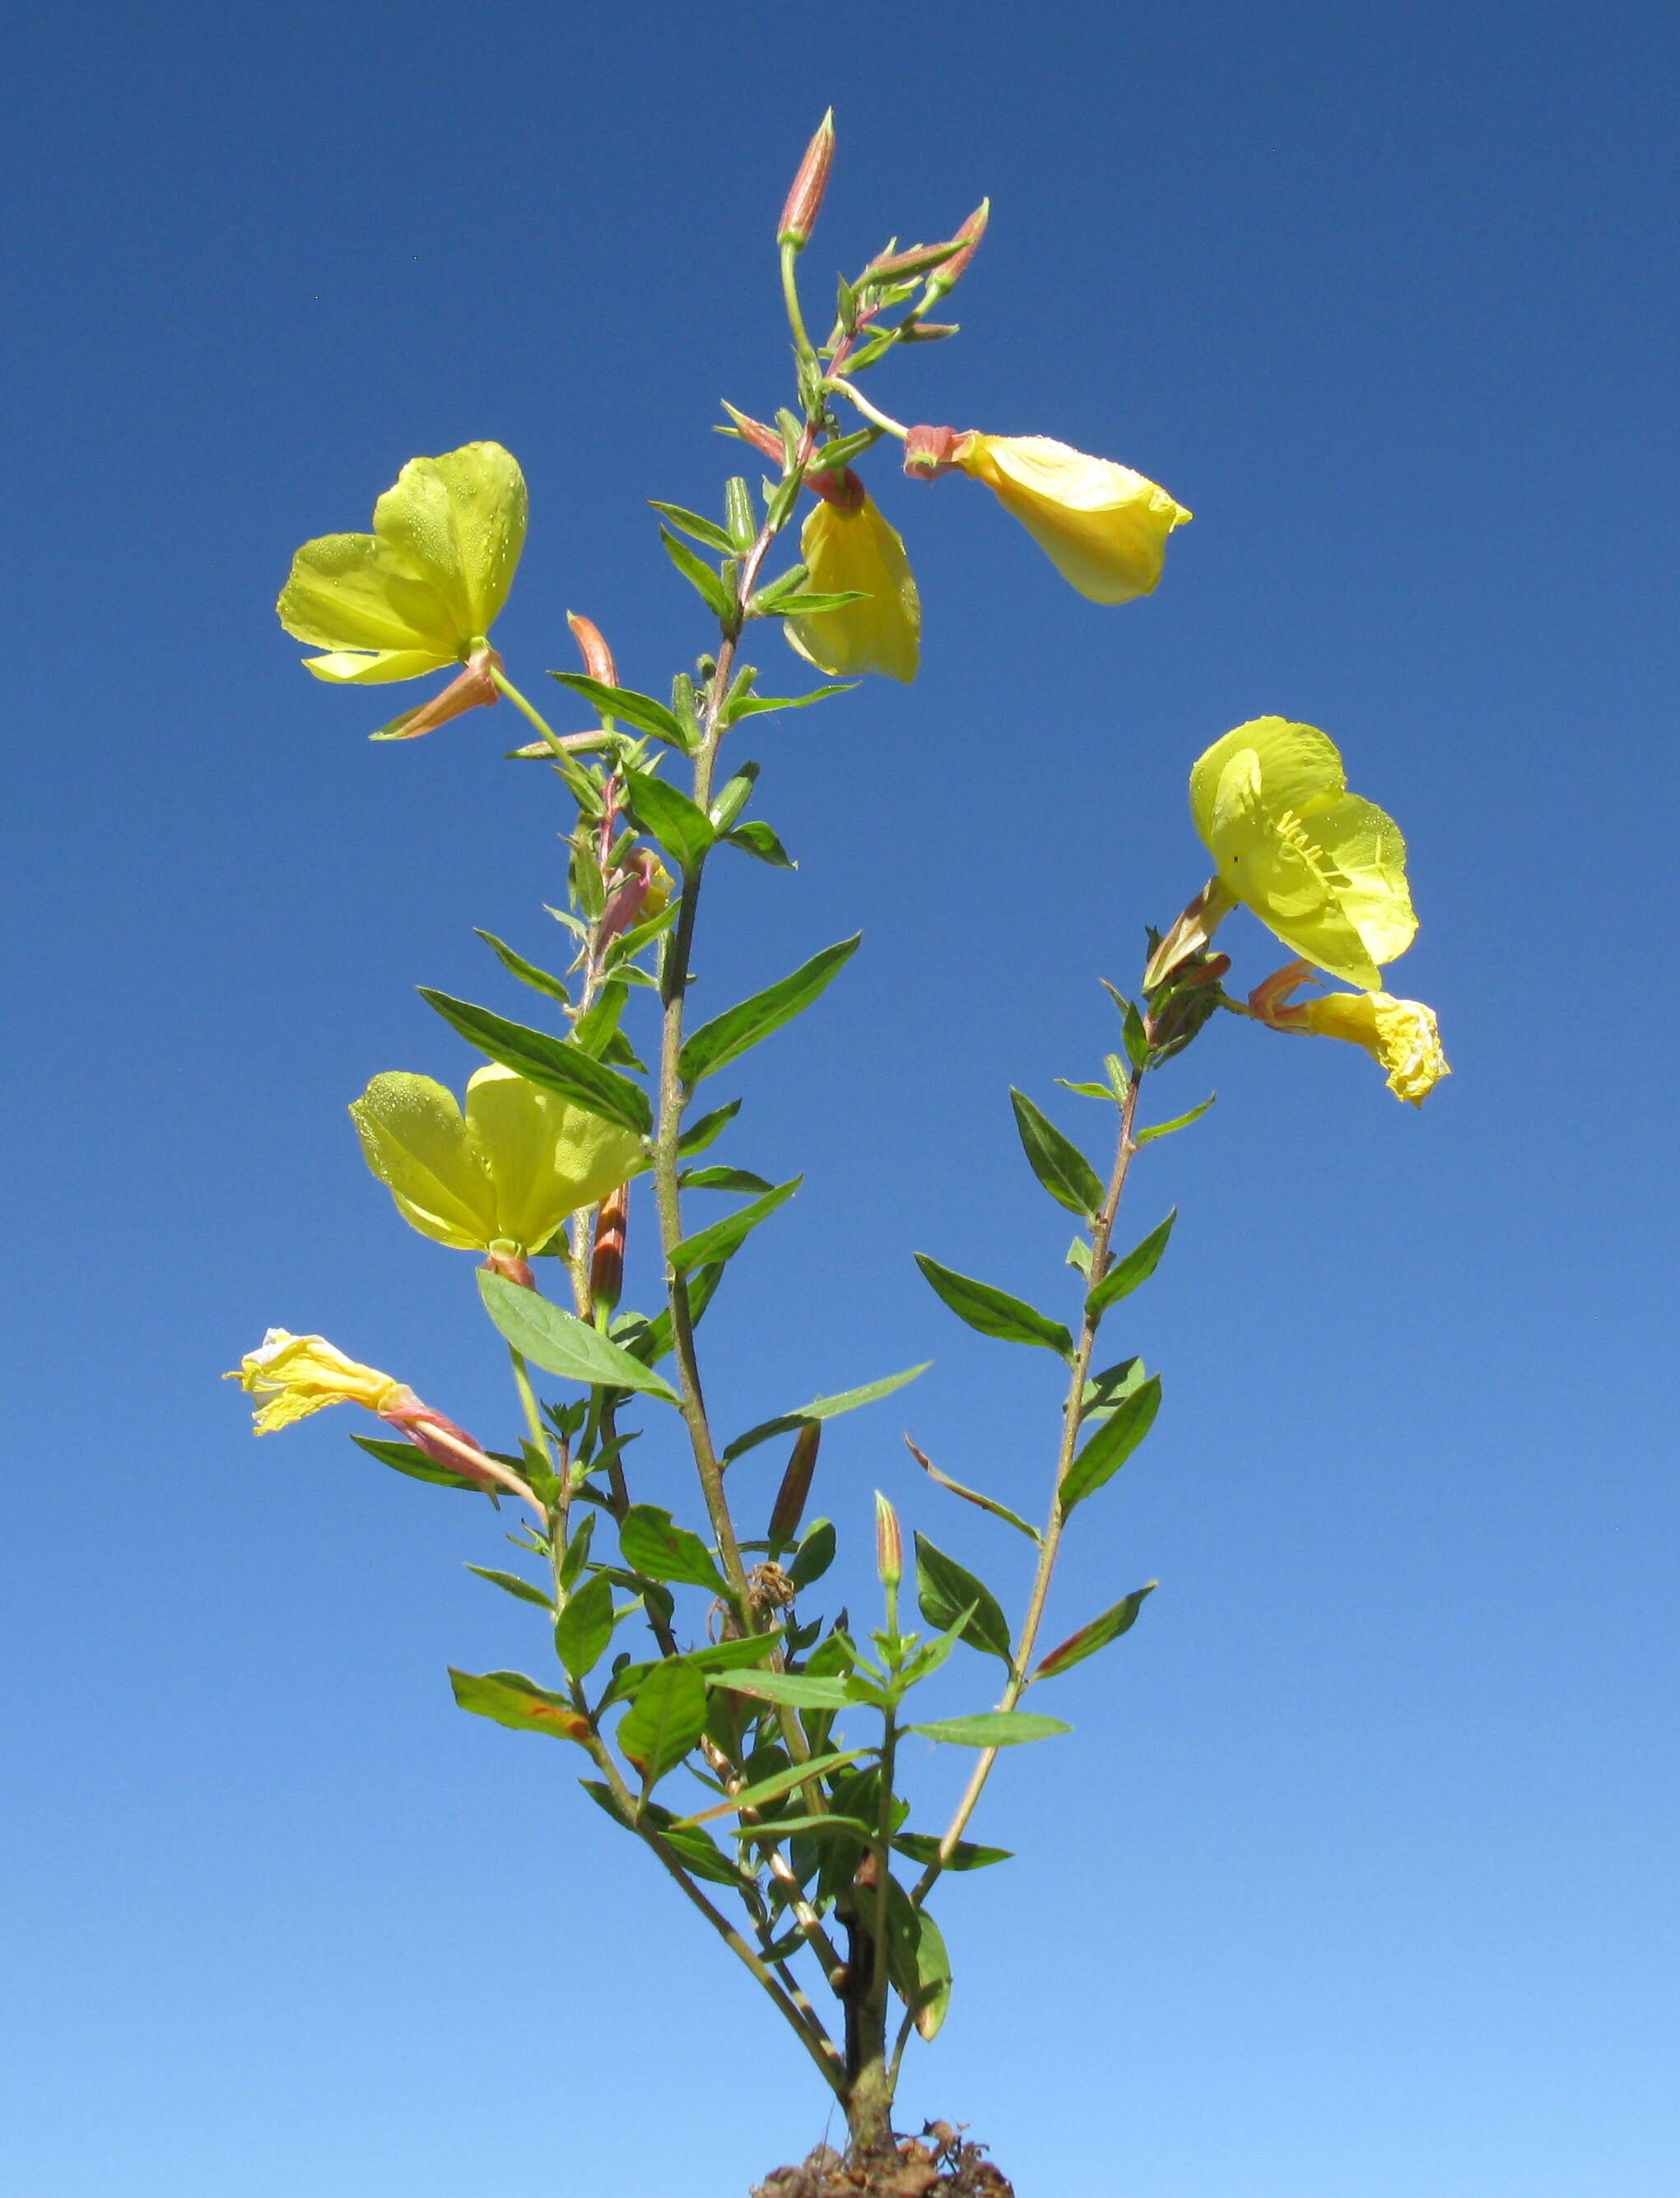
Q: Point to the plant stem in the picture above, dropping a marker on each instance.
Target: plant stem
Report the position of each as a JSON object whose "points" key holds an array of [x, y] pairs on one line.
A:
{"points": [[871, 412], [1100, 1261]]}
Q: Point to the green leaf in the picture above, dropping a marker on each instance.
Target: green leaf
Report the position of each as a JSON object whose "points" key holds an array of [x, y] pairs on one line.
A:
{"points": [[520, 1703], [992, 1729], [830, 1826], [548, 1063], [722, 1178], [720, 1656], [666, 1719], [917, 1961], [638, 709], [703, 530], [585, 1628], [773, 1787], [754, 705], [823, 1408], [681, 827], [1107, 1391], [803, 605], [1179, 1121], [595, 1030], [725, 1237], [994, 1312], [651, 1544], [1056, 1160], [528, 972], [1088, 1090], [697, 1851], [707, 1131], [1111, 1444], [718, 599], [1136, 1038], [1138, 1265], [798, 1688], [971, 1495], [729, 1035], [944, 1590], [1096, 1633], [755, 838], [511, 1584], [561, 1344], [814, 1554], [404, 1457], [924, 1848], [650, 1345]]}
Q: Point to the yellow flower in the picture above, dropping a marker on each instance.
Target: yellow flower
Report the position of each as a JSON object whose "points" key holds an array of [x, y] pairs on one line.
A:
{"points": [[857, 549], [303, 1374], [510, 1170], [1401, 1036], [1323, 869], [423, 589], [1102, 526]]}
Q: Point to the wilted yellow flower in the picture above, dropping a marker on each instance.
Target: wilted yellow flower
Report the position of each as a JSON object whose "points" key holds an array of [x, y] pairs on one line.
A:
{"points": [[510, 1170], [1401, 1036], [421, 592], [303, 1374], [849, 549], [1102, 526], [1323, 869]]}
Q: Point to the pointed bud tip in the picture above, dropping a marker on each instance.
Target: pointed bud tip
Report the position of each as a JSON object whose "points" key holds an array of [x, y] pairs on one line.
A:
{"points": [[805, 198]]}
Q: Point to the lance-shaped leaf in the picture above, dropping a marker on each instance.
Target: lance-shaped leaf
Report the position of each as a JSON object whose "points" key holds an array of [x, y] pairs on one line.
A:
{"points": [[550, 1062], [765, 1790], [729, 1035], [528, 972], [756, 838], [814, 1554], [1105, 1393], [1178, 1122], [852, 1828], [513, 1700], [971, 1495], [797, 1688], [511, 1583], [1096, 1633], [720, 1656], [718, 599], [650, 1342], [725, 1237], [641, 710], [995, 1312], [823, 1408], [404, 1457], [992, 1729], [560, 1343], [924, 1848], [585, 1628], [703, 530], [1056, 1160], [753, 706], [707, 1130], [1138, 1265], [697, 1851], [917, 1963], [1111, 1444], [682, 829], [944, 1590], [666, 1719], [651, 1542], [722, 1178]]}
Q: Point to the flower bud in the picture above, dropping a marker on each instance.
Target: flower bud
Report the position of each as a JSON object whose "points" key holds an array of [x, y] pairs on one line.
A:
{"points": [[947, 277], [471, 689], [930, 451], [607, 1268], [1189, 932], [804, 199], [592, 648], [763, 439], [502, 1256], [790, 1498], [889, 1543]]}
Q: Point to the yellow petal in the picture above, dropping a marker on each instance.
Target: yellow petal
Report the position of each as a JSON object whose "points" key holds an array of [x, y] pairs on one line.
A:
{"points": [[298, 1374], [1321, 868], [858, 550], [461, 519], [1103, 527], [415, 1141], [353, 591], [1401, 1036], [373, 671], [545, 1160]]}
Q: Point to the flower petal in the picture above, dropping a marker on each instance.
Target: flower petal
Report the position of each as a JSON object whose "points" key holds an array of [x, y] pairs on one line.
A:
{"points": [[415, 1141], [460, 519], [859, 549], [375, 670], [1103, 527], [545, 1160], [353, 591]]}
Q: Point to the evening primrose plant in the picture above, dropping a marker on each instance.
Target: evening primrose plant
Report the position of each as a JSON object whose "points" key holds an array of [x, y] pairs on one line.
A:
{"points": [[749, 1741]]}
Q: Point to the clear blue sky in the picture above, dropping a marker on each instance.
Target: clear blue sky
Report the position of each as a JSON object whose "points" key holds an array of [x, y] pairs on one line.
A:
{"points": [[1357, 1880]]}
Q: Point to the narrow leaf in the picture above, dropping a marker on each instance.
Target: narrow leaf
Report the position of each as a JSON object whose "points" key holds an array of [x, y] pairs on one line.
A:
{"points": [[772, 1788], [585, 1628], [755, 838], [754, 705], [639, 710], [804, 604], [561, 1344], [528, 972], [725, 1237], [1056, 1160], [804, 1692], [520, 1703], [992, 1729], [651, 1544], [511, 1584], [404, 1457], [994, 1312], [730, 1034], [824, 1408], [722, 1178], [1111, 1444], [702, 530], [707, 1130], [971, 1495], [700, 575], [1138, 1265], [1105, 1393], [782, 1827], [548, 1063], [1095, 1634], [814, 1554], [944, 1590], [1179, 1121], [924, 1848]]}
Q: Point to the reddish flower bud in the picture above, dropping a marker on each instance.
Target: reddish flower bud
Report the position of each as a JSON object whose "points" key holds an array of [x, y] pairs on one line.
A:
{"points": [[504, 1257], [762, 439], [472, 687], [440, 1438], [947, 277], [607, 1268], [931, 451], [804, 199], [592, 648], [843, 489]]}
